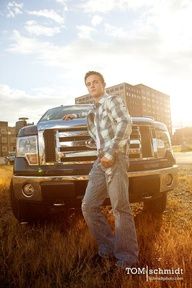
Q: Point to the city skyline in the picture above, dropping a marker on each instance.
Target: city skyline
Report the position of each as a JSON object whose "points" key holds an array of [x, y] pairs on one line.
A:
{"points": [[47, 47]]}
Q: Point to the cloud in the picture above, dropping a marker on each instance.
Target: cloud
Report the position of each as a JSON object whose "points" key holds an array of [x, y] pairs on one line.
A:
{"points": [[174, 27], [85, 31], [92, 6], [33, 105], [25, 45], [148, 36], [63, 3], [14, 9], [95, 6], [50, 14], [96, 20], [132, 51], [39, 30], [152, 49], [116, 32], [14, 98], [42, 51], [85, 54]]}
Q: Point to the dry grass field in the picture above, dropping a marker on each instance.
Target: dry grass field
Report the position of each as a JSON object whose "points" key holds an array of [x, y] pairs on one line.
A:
{"points": [[57, 253]]}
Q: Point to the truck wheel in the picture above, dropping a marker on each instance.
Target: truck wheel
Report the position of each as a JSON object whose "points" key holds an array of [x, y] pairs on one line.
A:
{"points": [[24, 211], [157, 205]]}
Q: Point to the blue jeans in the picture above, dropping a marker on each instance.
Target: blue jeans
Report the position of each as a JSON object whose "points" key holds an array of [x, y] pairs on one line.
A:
{"points": [[123, 242]]}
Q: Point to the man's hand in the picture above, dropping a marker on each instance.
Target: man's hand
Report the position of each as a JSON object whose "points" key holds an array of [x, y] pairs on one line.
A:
{"points": [[69, 116], [105, 162]]}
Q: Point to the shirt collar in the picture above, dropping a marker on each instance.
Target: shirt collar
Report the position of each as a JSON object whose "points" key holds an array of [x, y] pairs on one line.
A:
{"points": [[101, 100]]}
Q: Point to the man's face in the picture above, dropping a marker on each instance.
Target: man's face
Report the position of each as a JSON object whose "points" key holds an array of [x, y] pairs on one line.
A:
{"points": [[95, 86]]}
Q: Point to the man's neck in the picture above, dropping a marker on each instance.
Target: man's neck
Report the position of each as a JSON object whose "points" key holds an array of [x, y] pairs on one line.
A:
{"points": [[96, 99]]}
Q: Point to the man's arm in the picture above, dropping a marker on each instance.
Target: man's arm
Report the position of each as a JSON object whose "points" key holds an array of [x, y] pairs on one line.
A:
{"points": [[75, 115], [69, 116], [120, 115]]}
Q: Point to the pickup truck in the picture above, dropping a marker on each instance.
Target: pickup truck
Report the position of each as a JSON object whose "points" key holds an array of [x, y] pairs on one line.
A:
{"points": [[54, 158]]}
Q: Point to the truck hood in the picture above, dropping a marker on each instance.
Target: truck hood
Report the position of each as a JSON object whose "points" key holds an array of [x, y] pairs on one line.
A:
{"points": [[56, 124], [52, 124]]}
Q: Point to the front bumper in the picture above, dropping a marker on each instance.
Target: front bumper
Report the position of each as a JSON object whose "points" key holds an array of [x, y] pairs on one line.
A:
{"points": [[142, 185]]}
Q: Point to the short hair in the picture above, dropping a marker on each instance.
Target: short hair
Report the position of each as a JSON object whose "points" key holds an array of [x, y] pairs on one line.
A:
{"points": [[89, 73]]}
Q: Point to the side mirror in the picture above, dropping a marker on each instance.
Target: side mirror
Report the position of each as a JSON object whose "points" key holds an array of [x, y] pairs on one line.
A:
{"points": [[170, 157]]}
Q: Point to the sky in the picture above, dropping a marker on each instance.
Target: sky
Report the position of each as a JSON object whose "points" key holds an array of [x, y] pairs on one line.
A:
{"points": [[47, 46]]}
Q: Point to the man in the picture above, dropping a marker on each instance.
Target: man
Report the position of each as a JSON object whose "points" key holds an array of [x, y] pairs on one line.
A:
{"points": [[110, 126]]}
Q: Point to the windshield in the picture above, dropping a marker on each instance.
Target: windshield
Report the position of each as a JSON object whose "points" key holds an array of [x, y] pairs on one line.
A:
{"points": [[59, 112]]}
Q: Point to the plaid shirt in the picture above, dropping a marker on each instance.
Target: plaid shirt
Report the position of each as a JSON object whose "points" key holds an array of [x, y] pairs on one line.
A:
{"points": [[113, 124]]}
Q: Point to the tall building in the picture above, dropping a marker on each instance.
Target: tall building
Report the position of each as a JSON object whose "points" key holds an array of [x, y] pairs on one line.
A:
{"points": [[183, 136], [7, 138], [141, 100], [3, 138], [11, 139]]}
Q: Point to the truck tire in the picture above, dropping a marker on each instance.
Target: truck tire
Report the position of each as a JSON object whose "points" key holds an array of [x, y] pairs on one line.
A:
{"points": [[24, 211], [157, 205]]}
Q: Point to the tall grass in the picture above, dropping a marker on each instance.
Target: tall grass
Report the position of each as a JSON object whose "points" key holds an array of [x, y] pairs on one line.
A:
{"points": [[59, 253]]}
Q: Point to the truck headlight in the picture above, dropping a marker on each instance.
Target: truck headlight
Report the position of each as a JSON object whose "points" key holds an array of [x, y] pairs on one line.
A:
{"points": [[27, 147]]}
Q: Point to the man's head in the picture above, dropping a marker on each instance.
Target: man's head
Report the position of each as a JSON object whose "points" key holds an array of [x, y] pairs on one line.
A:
{"points": [[95, 84]]}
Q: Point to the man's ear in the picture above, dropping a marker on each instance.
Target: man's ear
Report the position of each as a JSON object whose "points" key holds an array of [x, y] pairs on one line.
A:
{"points": [[104, 84]]}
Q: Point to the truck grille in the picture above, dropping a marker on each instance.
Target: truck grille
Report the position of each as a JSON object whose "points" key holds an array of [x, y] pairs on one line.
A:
{"points": [[74, 144], [69, 145]]}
